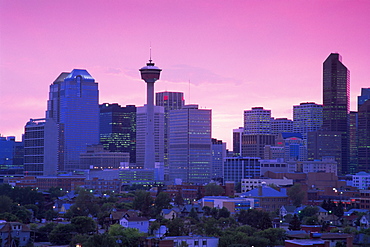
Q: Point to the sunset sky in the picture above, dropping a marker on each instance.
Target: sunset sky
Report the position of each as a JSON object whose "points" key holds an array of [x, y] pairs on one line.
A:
{"points": [[227, 56]]}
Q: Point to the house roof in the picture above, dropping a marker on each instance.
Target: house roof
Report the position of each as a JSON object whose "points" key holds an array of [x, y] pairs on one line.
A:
{"points": [[7, 227], [290, 209], [266, 192]]}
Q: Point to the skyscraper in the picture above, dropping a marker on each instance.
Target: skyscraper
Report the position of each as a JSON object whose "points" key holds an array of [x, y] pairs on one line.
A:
{"points": [[364, 130], [336, 80], [218, 158], [170, 101], [190, 152], [73, 105], [281, 125], [118, 129], [307, 117], [257, 121]]}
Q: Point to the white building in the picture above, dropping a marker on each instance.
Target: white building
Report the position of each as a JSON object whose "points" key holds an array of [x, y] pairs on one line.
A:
{"points": [[361, 180], [251, 183]]}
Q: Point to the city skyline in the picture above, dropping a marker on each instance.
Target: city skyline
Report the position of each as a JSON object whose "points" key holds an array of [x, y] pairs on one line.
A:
{"points": [[231, 57]]}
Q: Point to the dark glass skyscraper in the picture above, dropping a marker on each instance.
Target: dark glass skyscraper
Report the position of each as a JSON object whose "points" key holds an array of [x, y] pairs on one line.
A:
{"points": [[118, 129], [364, 130], [73, 104], [336, 80]]}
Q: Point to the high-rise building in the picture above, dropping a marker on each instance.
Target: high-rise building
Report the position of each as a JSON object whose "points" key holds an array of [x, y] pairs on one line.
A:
{"points": [[254, 145], [170, 101], [294, 146], [11, 156], [41, 147], [323, 144], [238, 168], [307, 117], [237, 141], [257, 121], [218, 158], [281, 125], [158, 141], [73, 105], [353, 142], [336, 82], [364, 130], [150, 74], [190, 151], [118, 129]]}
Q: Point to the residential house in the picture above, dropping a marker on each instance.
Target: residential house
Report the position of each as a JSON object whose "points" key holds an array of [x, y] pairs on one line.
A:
{"points": [[131, 219], [12, 231]]}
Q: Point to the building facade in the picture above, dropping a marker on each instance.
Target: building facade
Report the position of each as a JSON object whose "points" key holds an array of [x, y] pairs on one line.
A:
{"points": [[218, 157], [238, 168], [364, 130], [257, 121], [307, 117], [73, 105], [281, 125], [117, 129], [190, 146], [336, 82]]}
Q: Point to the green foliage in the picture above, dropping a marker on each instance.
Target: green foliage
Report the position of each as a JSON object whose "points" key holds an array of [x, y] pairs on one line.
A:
{"points": [[8, 217], [275, 236], [84, 224], [295, 223], [84, 205], [23, 214], [44, 231], [179, 200], [50, 215], [162, 201], [62, 234], [213, 189], [311, 220], [296, 194], [126, 236], [5, 204], [56, 192], [308, 211], [176, 227], [22, 196], [143, 202], [193, 214], [255, 218]]}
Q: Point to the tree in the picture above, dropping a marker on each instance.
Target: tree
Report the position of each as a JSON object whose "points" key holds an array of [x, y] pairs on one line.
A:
{"points": [[143, 202], [275, 236], [62, 234], [162, 201], [44, 231], [5, 204], [338, 210], [85, 204], [255, 218], [295, 224], [176, 227], [213, 189], [296, 194], [223, 213], [84, 224], [126, 236], [179, 200], [308, 212], [193, 214]]}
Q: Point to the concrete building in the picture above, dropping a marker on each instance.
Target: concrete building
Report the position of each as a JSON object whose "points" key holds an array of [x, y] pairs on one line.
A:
{"points": [[234, 205], [257, 121], [11, 157], [41, 147], [98, 158], [251, 183], [142, 140], [294, 146], [361, 180], [280, 125], [238, 168], [253, 145], [170, 101], [307, 117], [237, 141], [190, 146]]}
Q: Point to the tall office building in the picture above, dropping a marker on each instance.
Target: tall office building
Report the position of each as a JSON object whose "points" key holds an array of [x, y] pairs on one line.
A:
{"points": [[336, 80], [158, 142], [218, 158], [73, 105], [307, 117], [41, 147], [170, 101], [353, 142], [238, 168], [237, 141], [11, 157], [254, 145], [257, 121], [281, 125], [117, 128], [321, 144], [364, 130], [190, 146]]}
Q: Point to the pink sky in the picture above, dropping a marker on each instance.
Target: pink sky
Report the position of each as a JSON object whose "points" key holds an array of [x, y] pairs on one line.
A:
{"points": [[236, 54]]}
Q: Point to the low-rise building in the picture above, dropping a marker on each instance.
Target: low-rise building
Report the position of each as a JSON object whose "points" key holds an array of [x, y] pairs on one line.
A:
{"points": [[234, 205], [251, 183], [12, 231]]}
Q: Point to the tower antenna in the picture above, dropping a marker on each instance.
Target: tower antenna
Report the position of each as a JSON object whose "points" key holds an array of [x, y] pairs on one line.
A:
{"points": [[150, 52]]}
